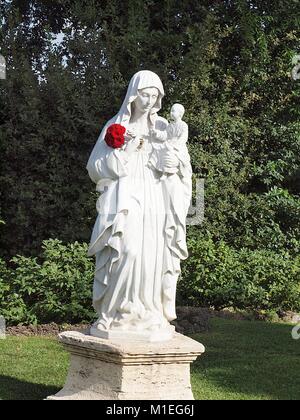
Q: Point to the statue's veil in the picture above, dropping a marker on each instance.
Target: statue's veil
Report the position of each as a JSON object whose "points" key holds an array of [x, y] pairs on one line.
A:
{"points": [[140, 80]]}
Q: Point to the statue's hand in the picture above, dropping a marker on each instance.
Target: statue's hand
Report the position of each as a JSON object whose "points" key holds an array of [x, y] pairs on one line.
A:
{"points": [[158, 135], [153, 133], [170, 160], [130, 134], [132, 145]]}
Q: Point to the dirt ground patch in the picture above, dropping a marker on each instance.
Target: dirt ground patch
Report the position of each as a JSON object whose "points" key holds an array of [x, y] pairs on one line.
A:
{"points": [[44, 329], [189, 320]]}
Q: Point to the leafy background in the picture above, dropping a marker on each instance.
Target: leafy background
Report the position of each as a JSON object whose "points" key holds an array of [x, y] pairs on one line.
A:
{"points": [[228, 62]]}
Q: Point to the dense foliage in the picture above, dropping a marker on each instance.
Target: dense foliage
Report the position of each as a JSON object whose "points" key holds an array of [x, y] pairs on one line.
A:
{"points": [[58, 288], [58, 285], [229, 63], [219, 276]]}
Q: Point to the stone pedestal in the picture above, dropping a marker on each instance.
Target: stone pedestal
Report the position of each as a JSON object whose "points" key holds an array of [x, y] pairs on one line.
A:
{"points": [[104, 369]]}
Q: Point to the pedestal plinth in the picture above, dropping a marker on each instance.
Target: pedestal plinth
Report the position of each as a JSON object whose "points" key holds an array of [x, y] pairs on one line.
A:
{"points": [[104, 369]]}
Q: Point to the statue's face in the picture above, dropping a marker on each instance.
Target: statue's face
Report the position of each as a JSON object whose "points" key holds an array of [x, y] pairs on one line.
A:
{"points": [[146, 99]]}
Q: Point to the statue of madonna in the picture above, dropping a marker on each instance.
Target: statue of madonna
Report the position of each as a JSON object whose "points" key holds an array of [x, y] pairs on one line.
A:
{"points": [[139, 237]]}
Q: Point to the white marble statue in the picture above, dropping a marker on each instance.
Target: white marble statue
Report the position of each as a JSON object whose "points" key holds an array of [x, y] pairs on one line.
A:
{"points": [[175, 138], [139, 237]]}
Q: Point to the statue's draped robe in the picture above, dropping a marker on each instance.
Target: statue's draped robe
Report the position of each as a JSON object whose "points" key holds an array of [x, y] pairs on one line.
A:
{"points": [[136, 243]]}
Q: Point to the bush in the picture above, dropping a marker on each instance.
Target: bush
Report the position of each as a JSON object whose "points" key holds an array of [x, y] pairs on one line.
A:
{"points": [[58, 288], [219, 276]]}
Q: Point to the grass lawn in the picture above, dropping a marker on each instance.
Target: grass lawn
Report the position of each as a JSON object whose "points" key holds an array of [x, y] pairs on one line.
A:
{"points": [[243, 360]]}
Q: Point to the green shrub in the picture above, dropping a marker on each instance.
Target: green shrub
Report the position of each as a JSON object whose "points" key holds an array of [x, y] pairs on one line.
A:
{"points": [[219, 276], [58, 288], [12, 305]]}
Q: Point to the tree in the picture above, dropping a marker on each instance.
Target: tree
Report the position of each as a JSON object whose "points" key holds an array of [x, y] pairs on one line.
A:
{"points": [[228, 62]]}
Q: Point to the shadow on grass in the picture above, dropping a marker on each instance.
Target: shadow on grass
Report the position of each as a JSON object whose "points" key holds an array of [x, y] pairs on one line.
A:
{"points": [[16, 389]]}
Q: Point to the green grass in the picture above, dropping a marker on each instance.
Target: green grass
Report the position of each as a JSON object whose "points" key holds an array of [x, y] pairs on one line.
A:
{"points": [[31, 368], [243, 360], [247, 361]]}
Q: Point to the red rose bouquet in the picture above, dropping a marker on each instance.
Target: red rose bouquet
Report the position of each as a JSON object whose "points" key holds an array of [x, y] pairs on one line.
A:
{"points": [[114, 136]]}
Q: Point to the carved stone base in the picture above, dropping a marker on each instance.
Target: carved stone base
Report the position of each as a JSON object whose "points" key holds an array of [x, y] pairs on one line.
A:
{"points": [[103, 369]]}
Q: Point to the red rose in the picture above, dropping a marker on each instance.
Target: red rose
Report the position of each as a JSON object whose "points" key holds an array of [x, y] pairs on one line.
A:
{"points": [[114, 136]]}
